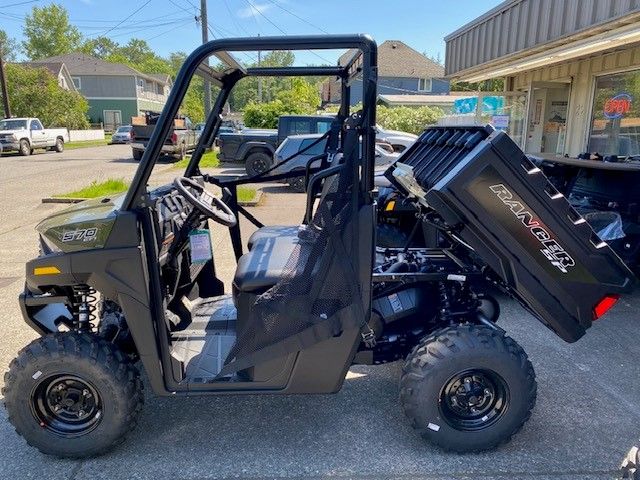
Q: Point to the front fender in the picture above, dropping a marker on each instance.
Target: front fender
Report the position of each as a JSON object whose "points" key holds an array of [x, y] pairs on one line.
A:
{"points": [[117, 273]]}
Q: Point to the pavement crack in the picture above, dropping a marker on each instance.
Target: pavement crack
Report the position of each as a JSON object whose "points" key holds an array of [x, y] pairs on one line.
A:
{"points": [[76, 468]]}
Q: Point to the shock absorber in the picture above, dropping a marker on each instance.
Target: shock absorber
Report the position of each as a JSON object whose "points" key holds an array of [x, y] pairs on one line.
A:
{"points": [[445, 303], [84, 299]]}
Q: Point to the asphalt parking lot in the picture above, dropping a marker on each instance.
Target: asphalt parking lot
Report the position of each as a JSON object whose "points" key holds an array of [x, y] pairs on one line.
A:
{"points": [[586, 419]]}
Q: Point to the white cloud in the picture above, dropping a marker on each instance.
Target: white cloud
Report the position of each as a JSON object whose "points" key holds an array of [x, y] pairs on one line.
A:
{"points": [[249, 11]]}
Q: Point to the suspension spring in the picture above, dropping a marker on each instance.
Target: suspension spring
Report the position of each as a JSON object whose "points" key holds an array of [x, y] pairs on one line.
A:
{"points": [[84, 306], [445, 303]]}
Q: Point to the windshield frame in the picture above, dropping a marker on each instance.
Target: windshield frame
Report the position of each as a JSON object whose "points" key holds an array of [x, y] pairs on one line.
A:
{"points": [[363, 64]]}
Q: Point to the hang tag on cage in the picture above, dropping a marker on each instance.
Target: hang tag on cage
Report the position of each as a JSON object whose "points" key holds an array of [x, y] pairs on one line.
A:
{"points": [[200, 243]]}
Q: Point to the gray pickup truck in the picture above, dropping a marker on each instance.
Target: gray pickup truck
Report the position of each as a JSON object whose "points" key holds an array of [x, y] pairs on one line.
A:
{"points": [[181, 140], [256, 148]]}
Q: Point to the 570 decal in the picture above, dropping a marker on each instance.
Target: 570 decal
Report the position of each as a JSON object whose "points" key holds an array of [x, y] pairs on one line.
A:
{"points": [[556, 254], [81, 234]]}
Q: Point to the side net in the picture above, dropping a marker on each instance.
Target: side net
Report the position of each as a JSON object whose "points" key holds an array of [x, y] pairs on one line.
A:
{"points": [[319, 293]]}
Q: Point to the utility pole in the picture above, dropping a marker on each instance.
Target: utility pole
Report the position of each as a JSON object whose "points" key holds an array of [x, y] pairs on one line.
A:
{"points": [[205, 38], [259, 78], [3, 86]]}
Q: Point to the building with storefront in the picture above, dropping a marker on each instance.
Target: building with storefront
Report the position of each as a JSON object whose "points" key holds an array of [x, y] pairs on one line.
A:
{"points": [[571, 71]]}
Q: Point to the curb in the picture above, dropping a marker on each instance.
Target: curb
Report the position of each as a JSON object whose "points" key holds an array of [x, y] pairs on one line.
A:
{"points": [[252, 203], [62, 200], [256, 200]]}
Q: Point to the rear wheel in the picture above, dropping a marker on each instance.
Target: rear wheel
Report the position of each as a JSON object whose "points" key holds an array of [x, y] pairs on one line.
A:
{"points": [[25, 149], [59, 146], [468, 388], [137, 155], [257, 163], [72, 395]]}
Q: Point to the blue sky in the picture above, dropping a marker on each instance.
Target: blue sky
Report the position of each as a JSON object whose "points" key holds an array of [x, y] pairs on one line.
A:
{"points": [[168, 25]]}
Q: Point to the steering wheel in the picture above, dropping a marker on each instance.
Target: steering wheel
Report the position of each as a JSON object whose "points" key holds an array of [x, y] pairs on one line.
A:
{"points": [[206, 203]]}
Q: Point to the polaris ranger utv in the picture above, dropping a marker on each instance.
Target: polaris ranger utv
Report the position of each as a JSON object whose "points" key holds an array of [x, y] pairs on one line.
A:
{"points": [[129, 282]]}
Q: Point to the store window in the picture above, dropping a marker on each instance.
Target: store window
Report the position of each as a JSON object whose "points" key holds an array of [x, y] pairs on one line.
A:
{"points": [[615, 121]]}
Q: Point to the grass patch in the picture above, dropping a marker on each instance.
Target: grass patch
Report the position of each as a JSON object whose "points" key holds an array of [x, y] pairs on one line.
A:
{"points": [[246, 194], [96, 190], [88, 143], [208, 160]]}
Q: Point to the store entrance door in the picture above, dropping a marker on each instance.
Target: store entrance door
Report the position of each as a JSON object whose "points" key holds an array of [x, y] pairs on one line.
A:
{"points": [[547, 117]]}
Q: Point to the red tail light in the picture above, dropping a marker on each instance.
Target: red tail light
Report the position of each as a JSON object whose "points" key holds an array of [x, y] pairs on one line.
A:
{"points": [[132, 135], [174, 138], [604, 305]]}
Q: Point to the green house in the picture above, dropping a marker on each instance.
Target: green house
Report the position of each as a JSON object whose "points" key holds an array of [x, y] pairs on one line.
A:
{"points": [[115, 92]]}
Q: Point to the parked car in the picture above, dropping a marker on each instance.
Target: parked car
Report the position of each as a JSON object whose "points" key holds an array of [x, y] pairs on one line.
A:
{"points": [[181, 139], [295, 143], [226, 127], [255, 147], [122, 134], [400, 141], [24, 135]]}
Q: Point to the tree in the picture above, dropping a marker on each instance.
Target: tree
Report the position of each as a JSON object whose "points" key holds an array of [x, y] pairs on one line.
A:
{"points": [[35, 92], [301, 98], [48, 32], [136, 51], [246, 90], [100, 47], [492, 85], [8, 47]]}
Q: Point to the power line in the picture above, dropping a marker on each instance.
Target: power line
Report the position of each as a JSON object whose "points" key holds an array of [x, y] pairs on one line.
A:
{"points": [[181, 21], [233, 18], [252, 6], [127, 18], [20, 3], [93, 20], [169, 30], [298, 17], [136, 27]]}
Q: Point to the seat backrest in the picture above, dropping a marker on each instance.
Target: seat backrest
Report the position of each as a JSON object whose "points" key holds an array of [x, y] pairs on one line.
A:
{"points": [[320, 292]]}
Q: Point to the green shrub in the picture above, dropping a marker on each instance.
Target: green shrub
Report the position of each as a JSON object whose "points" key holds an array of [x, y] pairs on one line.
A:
{"points": [[405, 119], [408, 119]]}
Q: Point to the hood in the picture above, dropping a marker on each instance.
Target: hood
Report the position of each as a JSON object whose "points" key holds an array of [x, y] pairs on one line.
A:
{"points": [[11, 132], [397, 133], [85, 225]]}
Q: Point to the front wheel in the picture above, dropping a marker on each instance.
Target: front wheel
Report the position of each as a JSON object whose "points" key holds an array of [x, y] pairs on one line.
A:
{"points": [[468, 388], [72, 395], [25, 149], [182, 153]]}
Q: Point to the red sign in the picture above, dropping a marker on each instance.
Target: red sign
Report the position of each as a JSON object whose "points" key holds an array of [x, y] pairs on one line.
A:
{"points": [[616, 107]]}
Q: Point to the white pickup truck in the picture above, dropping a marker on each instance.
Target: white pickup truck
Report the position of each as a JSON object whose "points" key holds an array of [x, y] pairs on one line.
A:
{"points": [[23, 135]]}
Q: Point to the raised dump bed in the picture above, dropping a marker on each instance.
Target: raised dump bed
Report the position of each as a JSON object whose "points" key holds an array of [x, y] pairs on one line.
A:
{"points": [[504, 207]]}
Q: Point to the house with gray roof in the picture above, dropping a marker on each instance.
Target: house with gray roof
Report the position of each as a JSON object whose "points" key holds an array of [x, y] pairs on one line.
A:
{"points": [[115, 92], [58, 70], [401, 71]]}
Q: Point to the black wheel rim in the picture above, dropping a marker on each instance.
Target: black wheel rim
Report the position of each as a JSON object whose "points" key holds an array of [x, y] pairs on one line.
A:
{"points": [[474, 399], [66, 405], [259, 165]]}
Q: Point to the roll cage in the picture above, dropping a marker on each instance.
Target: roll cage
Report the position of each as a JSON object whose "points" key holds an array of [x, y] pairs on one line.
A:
{"points": [[361, 65]]}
